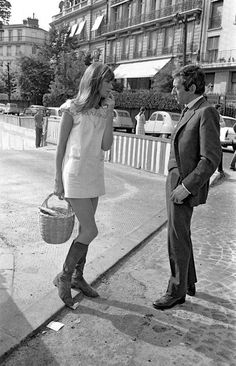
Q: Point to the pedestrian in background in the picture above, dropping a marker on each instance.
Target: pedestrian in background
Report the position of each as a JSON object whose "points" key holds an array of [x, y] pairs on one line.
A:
{"points": [[86, 130], [233, 161], [220, 169], [195, 154], [38, 119], [140, 118]]}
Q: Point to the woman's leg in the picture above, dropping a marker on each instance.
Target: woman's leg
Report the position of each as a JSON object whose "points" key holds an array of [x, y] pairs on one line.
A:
{"points": [[78, 281], [84, 211]]}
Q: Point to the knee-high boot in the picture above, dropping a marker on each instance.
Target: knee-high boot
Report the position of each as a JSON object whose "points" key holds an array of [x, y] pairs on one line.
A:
{"points": [[63, 280], [78, 280]]}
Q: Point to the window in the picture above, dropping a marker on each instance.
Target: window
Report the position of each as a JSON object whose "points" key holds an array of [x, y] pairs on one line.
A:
{"points": [[19, 34], [233, 82], [152, 43], [210, 80], [1, 51], [1, 36], [125, 48], [8, 50], [216, 14], [168, 40], [18, 50], [138, 46], [10, 35], [212, 48]]}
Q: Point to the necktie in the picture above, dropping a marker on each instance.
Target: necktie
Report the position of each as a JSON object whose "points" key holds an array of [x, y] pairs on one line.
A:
{"points": [[183, 112]]}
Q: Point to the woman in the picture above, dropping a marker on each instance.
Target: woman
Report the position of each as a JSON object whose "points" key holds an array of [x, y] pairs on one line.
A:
{"points": [[140, 118], [86, 130]]}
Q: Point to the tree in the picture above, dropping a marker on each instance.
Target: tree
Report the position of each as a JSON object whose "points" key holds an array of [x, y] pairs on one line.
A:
{"points": [[5, 11], [34, 78], [69, 71]]}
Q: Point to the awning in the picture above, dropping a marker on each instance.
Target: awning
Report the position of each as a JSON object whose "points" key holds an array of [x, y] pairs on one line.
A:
{"points": [[143, 69], [80, 27], [97, 23], [73, 29]]}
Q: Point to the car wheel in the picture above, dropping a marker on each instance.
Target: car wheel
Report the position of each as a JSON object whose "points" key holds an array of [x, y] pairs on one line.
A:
{"points": [[129, 130]]}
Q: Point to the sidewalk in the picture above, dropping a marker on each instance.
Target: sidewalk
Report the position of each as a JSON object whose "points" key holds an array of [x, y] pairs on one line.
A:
{"points": [[131, 212], [120, 328]]}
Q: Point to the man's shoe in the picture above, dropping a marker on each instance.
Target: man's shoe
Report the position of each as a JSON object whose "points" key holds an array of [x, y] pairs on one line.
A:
{"points": [[191, 290], [167, 302]]}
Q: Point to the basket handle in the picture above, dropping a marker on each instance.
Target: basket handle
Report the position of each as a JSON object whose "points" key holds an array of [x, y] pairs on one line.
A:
{"points": [[45, 203]]}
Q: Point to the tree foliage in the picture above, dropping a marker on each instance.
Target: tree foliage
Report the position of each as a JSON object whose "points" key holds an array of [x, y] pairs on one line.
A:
{"points": [[5, 11], [34, 78]]}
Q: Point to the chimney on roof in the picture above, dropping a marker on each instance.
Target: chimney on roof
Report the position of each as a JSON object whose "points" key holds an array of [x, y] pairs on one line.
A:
{"points": [[31, 22]]}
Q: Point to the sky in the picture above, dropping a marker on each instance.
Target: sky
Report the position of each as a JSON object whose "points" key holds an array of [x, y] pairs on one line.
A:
{"points": [[43, 10]]}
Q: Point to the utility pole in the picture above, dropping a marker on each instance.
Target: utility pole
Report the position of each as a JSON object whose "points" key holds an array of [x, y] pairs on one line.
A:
{"points": [[8, 83]]}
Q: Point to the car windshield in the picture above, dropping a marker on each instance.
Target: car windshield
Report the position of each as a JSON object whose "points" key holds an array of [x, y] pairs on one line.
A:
{"points": [[123, 114], [229, 122], [175, 117]]}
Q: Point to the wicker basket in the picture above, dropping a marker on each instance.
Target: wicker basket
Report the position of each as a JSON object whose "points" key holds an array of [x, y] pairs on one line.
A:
{"points": [[55, 223]]}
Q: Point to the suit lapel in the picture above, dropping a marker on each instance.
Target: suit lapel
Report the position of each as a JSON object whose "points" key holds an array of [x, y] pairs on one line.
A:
{"points": [[188, 115]]}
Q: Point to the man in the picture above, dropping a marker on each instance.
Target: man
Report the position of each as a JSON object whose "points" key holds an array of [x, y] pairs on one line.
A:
{"points": [[38, 119], [195, 155], [233, 161], [220, 169]]}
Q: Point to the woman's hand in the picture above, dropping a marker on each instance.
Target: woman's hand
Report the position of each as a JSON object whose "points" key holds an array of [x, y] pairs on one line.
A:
{"points": [[109, 101], [59, 189]]}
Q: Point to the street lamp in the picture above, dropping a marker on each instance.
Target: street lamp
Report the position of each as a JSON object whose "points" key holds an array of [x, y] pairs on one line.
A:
{"points": [[8, 83], [182, 18]]}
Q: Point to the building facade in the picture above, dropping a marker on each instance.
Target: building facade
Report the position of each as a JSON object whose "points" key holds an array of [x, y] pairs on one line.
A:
{"points": [[141, 38], [218, 46], [20, 39]]}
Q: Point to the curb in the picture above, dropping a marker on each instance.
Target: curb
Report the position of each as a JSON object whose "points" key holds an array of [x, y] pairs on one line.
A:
{"points": [[23, 326]]}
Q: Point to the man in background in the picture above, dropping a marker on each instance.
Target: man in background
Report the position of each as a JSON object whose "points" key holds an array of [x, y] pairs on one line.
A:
{"points": [[38, 119]]}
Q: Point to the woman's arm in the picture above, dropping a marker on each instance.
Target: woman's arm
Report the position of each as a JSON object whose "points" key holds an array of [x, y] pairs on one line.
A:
{"points": [[107, 139], [64, 131]]}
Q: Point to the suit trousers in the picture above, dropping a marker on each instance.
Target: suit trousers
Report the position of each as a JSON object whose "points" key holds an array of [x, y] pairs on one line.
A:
{"points": [[180, 248]]}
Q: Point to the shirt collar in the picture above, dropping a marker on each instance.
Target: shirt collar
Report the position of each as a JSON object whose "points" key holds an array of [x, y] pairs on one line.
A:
{"points": [[193, 102]]}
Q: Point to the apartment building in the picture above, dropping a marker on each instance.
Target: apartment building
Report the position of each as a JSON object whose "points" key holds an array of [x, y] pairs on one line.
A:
{"points": [[20, 39], [218, 45], [138, 38], [143, 38]]}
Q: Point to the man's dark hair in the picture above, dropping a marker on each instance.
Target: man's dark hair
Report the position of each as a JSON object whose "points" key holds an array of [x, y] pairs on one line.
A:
{"points": [[192, 74]]}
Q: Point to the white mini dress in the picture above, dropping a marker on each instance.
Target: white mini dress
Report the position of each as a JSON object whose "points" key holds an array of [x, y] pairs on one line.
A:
{"points": [[83, 164]]}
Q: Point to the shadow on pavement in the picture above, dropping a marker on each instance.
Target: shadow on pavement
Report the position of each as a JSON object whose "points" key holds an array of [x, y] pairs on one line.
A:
{"points": [[169, 328], [14, 327]]}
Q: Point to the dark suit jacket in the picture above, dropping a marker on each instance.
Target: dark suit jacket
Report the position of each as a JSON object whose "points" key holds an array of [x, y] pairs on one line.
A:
{"points": [[197, 150]]}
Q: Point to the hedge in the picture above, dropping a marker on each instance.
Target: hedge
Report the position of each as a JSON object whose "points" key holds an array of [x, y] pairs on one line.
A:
{"points": [[150, 99]]}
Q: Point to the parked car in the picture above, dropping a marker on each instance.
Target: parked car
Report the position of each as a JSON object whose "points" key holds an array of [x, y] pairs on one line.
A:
{"points": [[12, 108], [33, 109], [122, 120], [54, 111], [227, 133], [2, 107], [161, 123]]}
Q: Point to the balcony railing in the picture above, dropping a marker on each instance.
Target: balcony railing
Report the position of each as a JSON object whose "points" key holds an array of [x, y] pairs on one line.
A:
{"points": [[137, 54], [185, 6], [167, 50], [222, 57], [151, 52]]}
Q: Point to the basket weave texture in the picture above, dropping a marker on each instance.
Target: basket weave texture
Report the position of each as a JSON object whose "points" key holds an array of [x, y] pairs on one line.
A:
{"points": [[55, 223]]}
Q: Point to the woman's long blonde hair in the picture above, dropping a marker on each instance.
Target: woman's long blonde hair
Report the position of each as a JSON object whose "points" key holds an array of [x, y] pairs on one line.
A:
{"points": [[89, 96]]}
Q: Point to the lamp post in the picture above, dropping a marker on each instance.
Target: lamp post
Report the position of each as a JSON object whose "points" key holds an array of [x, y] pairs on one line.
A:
{"points": [[8, 83], [182, 18]]}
